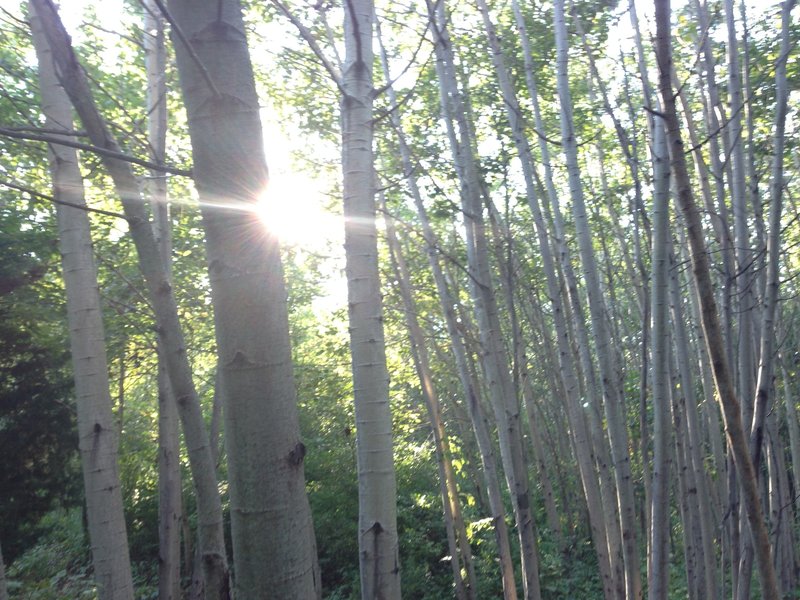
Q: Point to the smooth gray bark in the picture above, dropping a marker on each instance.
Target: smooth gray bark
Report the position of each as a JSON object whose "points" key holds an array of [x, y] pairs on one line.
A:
{"points": [[74, 81], [766, 367], [469, 386], [459, 548], [169, 468], [693, 443], [274, 548], [98, 434], [494, 361], [658, 550], [378, 544], [613, 404]]}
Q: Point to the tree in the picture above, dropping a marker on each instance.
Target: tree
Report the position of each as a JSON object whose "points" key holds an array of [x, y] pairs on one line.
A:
{"points": [[160, 294], [710, 319], [377, 491], [169, 468], [270, 516], [494, 359], [97, 433]]}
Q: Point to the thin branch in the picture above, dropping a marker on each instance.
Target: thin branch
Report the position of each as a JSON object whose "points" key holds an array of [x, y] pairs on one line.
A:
{"points": [[410, 62], [39, 195], [44, 130], [306, 34], [12, 133]]}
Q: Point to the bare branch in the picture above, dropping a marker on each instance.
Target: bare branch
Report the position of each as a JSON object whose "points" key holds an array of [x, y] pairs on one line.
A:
{"points": [[306, 34], [50, 139], [40, 196]]}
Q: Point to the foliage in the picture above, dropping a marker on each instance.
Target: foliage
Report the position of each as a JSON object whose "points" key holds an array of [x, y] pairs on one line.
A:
{"points": [[37, 421]]}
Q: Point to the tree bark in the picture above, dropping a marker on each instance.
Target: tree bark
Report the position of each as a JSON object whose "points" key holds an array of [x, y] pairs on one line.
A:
{"points": [[169, 471], [494, 359], [74, 81], [710, 320], [274, 548], [658, 551], [98, 434], [460, 550], [614, 406], [377, 488]]}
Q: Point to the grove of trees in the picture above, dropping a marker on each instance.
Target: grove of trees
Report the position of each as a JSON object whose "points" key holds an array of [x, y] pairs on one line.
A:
{"points": [[522, 321]]}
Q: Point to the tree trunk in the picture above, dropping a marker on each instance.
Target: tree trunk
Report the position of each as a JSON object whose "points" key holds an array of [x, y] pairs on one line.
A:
{"points": [[494, 359], [378, 545], [169, 468], [162, 299], [270, 516], [3, 585], [614, 407], [658, 551], [766, 365], [454, 522], [693, 443], [98, 434], [469, 386], [710, 320]]}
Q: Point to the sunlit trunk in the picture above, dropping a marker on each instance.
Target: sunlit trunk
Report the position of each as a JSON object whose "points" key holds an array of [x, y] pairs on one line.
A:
{"points": [[161, 297], [274, 549], [98, 434]]}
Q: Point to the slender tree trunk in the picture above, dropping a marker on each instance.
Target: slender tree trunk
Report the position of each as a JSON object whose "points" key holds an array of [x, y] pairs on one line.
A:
{"points": [[378, 545], [766, 364], [494, 358], [98, 435], [469, 386], [614, 406], [454, 522], [273, 539], [793, 427], [169, 471], [658, 551], [685, 501], [161, 296], [741, 234], [516, 122], [715, 117], [710, 320], [598, 446], [693, 443]]}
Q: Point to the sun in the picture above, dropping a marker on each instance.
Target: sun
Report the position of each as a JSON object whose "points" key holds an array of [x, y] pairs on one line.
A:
{"points": [[292, 208]]}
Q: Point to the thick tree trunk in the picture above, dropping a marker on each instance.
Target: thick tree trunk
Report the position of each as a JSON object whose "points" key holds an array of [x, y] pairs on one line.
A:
{"points": [[98, 434], [162, 299], [273, 539], [378, 544], [710, 320]]}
